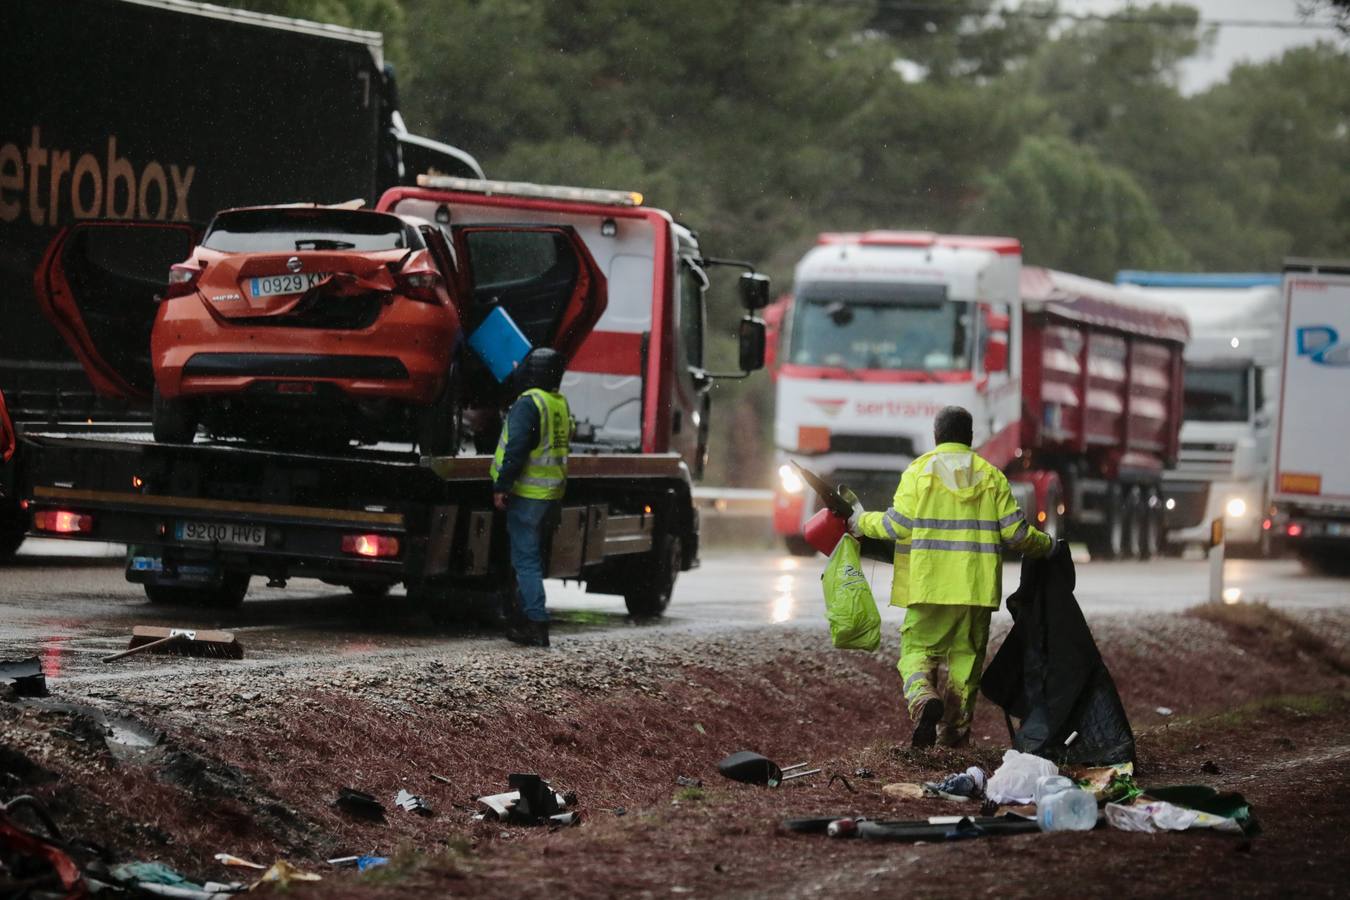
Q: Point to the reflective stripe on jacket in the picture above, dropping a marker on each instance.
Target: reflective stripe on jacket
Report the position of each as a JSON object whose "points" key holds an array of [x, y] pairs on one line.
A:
{"points": [[953, 515], [544, 476]]}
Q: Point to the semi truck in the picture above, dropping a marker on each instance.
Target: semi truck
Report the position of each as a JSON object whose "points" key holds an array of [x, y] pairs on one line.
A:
{"points": [[203, 519], [1310, 481], [1074, 385], [1232, 380], [166, 111], [161, 112]]}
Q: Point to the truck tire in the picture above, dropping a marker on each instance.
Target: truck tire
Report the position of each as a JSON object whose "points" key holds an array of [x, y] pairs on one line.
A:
{"points": [[654, 579], [1132, 525], [228, 596], [797, 546], [1107, 540], [173, 421], [438, 426], [1151, 539]]}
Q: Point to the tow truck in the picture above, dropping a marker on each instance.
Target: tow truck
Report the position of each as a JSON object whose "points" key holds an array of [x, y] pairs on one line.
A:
{"points": [[202, 520]]}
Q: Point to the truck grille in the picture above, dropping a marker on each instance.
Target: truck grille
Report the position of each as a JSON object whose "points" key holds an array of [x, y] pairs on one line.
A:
{"points": [[889, 444], [1205, 460], [1191, 498]]}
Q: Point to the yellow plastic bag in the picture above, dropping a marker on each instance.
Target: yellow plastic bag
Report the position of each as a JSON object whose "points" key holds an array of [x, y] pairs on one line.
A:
{"points": [[854, 621]]}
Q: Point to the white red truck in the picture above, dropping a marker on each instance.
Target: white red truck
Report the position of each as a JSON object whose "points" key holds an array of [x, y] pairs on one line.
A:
{"points": [[203, 519], [1075, 385], [1310, 479]]}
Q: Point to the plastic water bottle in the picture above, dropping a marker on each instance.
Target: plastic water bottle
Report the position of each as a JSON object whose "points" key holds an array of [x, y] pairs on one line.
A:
{"points": [[1073, 809], [1051, 784]]}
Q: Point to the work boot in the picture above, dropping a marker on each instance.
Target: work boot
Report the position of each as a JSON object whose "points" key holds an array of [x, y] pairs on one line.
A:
{"points": [[925, 730], [528, 634]]}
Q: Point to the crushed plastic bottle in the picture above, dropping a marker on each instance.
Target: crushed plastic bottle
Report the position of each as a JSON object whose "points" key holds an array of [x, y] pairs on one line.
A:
{"points": [[1051, 784], [1073, 809]]}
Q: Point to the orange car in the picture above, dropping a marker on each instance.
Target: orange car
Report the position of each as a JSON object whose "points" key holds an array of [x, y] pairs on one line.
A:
{"points": [[313, 325], [298, 309]]}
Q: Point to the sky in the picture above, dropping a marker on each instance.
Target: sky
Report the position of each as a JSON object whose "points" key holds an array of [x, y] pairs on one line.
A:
{"points": [[1232, 45]]}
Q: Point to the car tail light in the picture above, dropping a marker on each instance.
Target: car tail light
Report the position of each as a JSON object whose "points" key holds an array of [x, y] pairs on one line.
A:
{"points": [[62, 521], [420, 285], [374, 546], [182, 280], [1294, 529]]}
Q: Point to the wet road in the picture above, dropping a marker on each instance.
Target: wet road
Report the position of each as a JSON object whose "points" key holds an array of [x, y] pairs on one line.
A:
{"points": [[72, 611]]}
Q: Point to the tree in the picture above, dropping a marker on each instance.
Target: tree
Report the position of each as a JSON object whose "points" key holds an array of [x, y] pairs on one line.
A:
{"points": [[1075, 212]]}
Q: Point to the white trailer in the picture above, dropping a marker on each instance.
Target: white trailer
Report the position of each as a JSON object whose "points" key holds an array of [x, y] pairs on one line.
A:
{"points": [[1310, 481]]}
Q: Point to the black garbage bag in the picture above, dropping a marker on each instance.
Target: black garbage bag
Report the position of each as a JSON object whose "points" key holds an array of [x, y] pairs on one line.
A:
{"points": [[1049, 675]]}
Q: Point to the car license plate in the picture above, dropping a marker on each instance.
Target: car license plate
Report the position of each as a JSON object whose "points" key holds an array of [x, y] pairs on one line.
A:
{"points": [[275, 285], [231, 535]]}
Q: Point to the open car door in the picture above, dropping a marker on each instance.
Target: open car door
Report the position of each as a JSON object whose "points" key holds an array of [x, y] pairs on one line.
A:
{"points": [[98, 283], [542, 276]]}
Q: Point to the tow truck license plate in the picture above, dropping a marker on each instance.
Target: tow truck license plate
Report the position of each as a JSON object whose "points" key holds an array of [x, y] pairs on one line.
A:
{"points": [[232, 535], [274, 285]]}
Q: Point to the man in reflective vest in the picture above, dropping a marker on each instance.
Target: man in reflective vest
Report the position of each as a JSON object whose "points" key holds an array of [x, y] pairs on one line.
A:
{"points": [[529, 475], [953, 515]]}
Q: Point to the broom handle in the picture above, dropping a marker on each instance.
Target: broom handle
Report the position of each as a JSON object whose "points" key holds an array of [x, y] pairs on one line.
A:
{"points": [[160, 642]]}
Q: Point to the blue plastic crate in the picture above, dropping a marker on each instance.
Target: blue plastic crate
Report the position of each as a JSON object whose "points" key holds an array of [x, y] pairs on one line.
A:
{"points": [[499, 342]]}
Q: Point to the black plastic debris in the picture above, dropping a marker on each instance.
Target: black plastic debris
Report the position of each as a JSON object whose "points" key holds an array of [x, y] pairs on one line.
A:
{"points": [[412, 803], [359, 804], [532, 801], [752, 768], [26, 676], [943, 828], [811, 824]]}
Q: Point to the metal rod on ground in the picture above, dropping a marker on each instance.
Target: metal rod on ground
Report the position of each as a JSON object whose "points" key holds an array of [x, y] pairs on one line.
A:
{"points": [[1216, 553]]}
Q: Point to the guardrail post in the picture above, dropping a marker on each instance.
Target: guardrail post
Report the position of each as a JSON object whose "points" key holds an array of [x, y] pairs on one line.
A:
{"points": [[1216, 548]]}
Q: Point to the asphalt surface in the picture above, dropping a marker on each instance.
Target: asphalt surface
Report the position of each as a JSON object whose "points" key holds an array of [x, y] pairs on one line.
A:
{"points": [[73, 610]]}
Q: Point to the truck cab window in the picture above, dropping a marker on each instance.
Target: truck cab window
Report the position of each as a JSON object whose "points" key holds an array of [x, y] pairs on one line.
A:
{"points": [[693, 285]]}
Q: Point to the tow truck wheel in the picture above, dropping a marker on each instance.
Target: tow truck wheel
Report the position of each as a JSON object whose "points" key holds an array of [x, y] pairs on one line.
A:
{"points": [[654, 579], [173, 421], [228, 596]]}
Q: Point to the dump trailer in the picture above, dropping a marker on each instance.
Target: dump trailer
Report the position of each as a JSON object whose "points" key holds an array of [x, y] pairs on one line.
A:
{"points": [[156, 114], [1310, 481], [203, 519], [1074, 385]]}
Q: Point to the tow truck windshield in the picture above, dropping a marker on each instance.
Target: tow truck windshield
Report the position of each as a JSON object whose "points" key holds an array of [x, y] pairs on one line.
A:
{"points": [[1216, 394], [891, 326], [287, 229]]}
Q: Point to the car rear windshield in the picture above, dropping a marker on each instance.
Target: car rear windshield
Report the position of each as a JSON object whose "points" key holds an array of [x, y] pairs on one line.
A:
{"points": [[281, 230]]}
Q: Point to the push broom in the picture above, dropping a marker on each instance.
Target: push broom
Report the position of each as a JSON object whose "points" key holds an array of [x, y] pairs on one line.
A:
{"points": [[182, 642]]}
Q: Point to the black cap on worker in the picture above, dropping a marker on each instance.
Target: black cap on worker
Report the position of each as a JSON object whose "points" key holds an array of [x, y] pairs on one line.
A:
{"points": [[541, 368], [953, 425]]}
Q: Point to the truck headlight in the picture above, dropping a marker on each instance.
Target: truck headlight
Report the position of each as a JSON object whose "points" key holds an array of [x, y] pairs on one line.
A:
{"points": [[1236, 508], [789, 480]]}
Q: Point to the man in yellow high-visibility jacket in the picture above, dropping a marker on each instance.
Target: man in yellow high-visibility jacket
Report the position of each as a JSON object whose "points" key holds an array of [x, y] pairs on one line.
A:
{"points": [[529, 477], [953, 515]]}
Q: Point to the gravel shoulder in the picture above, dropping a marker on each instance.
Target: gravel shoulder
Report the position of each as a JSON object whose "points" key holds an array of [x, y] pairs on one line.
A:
{"points": [[252, 756]]}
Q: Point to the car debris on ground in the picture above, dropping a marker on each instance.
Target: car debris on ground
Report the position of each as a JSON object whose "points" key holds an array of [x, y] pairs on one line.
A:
{"points": [[752, 768], [25, 675], [359, 804], [412, 803], [532, 801]]}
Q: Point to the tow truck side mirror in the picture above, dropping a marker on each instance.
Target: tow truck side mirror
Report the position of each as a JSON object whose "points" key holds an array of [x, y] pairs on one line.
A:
{"points": [[752, 343], [754, 292]]}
